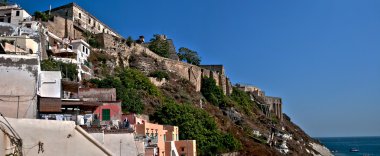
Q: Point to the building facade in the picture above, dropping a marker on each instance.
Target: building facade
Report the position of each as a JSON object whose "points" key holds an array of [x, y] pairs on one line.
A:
{"points": [[13, 14], [76, 21], [275, 104]]}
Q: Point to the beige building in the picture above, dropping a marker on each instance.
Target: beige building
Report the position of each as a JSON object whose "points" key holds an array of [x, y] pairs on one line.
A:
{"points": [[72, 21], [19, 75], [13, 14], [163, 140], [275, 106], [27, 44], [251, 89], [47, 137]]}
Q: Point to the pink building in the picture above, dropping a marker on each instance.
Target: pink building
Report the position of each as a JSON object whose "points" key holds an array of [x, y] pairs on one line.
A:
{"points": [[163, 140], [109, 111]]}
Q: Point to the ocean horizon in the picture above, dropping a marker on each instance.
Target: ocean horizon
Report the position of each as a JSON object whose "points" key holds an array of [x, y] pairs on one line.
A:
{"points": [[341, 146]]}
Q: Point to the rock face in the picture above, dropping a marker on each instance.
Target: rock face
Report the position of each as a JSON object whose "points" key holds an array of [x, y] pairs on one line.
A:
{"points": [[184, 70], [257, 132]]}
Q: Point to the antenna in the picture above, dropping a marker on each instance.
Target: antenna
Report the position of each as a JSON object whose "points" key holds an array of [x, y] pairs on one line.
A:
{"points": [[49, 9]]}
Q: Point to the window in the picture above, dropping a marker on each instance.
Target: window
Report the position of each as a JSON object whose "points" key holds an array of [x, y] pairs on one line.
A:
{"points": [[164, 137], [87, 51], [182, 149], [89, 20], [106, 116], [1, 19], [80, 15], [17, 13], [98, 27], [83, 49]]}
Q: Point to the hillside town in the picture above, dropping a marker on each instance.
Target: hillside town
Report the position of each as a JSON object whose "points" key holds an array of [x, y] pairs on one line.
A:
{"points": [[57, 112]]}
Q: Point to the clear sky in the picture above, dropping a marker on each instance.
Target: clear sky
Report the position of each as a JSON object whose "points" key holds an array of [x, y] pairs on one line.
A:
{"points": [[321, 56]]}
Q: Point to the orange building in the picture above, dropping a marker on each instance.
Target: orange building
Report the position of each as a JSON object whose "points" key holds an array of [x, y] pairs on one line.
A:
{"points": [[163, 140]]}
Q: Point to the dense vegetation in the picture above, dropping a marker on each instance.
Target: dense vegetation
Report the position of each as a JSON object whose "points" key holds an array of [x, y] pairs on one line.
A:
{"points": [[69, 70], [196, 124], [159, 46], [212, 92], [91, 40], [42, 16], [159, 74], [243, 100], [130, 86], [188, 55]]}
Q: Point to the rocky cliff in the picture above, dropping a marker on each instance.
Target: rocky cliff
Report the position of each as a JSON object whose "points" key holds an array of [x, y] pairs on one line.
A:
{"points": [[258, 133]]}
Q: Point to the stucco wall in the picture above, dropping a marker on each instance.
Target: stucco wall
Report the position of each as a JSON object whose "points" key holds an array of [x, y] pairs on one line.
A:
{"points": [[126, 141], [186, 147], [19, 75], [59, 138]]}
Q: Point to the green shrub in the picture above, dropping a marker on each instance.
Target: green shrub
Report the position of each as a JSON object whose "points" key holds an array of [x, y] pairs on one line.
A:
{"points": [[94, 43], [69, 70], [43, 16], [129, 41], [196, 124], [130, 85], [243, 100], [159, 74], [159, 46], [188, 55], [212, 92]]}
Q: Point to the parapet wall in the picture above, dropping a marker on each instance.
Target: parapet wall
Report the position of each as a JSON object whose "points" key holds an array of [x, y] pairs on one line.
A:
{"points": [[19, 75], [188, 71]]}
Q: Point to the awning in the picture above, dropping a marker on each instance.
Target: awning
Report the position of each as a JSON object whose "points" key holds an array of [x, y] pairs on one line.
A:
{"points": [[81, 103]]}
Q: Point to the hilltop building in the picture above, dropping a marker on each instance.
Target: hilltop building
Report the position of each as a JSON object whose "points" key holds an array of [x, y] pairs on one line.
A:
{"points": [[275, 104], [71, 21], [267, 103], [13, 14]]}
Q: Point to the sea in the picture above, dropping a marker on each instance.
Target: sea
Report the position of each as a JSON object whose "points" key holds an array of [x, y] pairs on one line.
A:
{"points": [[340, 146]]}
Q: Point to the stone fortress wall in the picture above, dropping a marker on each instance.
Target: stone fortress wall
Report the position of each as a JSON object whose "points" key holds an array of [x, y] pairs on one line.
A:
{"points": [[188, 71]]}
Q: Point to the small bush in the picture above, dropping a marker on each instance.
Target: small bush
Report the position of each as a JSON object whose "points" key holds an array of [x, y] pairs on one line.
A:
{"points": [[159, 46], [130, 85], [69, 70], [159, 74], [129, 41], [212, 92], [43, 16]]}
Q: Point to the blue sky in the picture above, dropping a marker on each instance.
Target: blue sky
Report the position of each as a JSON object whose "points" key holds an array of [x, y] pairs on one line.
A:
{"points": [[322, 57]]}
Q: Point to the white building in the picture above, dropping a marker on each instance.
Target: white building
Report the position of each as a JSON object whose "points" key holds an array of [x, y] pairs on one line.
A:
{"points": [[82, 49], [13, 14], [50, 84], [75, 51]]}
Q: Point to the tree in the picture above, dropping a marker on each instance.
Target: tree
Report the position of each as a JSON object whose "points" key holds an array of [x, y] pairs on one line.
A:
{"points": [[159, 46], [189, 56], [131, 85], [196, 124], [212, 92], [69, 70]]}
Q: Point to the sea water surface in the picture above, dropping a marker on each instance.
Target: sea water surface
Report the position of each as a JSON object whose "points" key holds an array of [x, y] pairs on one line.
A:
{"points": [[340, 146]]}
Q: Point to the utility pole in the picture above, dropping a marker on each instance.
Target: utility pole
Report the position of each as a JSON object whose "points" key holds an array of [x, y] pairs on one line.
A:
{"points": [[120, 147], [18, 104]]}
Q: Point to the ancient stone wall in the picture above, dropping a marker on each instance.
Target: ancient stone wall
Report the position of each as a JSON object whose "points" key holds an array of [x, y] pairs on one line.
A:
{"points": [[187, 71]]}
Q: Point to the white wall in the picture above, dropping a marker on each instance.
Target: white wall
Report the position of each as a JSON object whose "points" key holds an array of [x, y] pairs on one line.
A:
{"points": [[19, 74], [129, 147], [59, 138], [50, 84]]}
